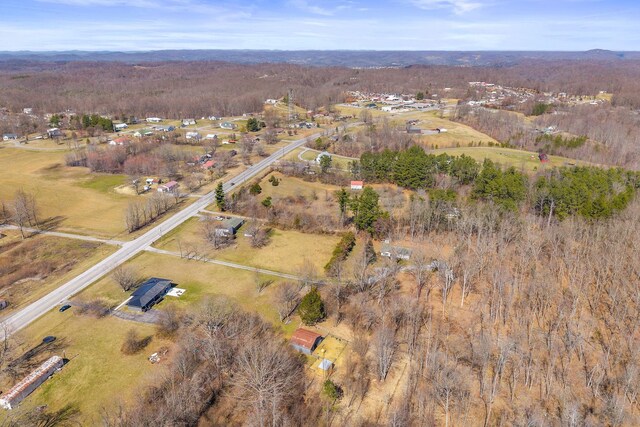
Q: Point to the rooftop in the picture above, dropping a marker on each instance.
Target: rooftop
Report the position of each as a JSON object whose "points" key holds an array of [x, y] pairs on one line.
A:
{"points": [[304, 338]]}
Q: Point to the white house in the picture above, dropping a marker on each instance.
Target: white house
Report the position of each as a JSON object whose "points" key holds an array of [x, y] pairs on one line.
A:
{"points": [[228, 125], [120, 126], [169, 187], [8, 136], [271, 101], [211, 136], [154, 119], [192, 135], [324, 153], [187, 122]]}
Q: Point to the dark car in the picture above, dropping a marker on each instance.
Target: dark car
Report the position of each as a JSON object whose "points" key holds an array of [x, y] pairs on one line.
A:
{"points": [[48, 339], [64, 308]]}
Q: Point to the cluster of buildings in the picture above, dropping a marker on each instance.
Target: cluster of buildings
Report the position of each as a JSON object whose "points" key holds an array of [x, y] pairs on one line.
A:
{"points": [[497, 96], [392, 102]]}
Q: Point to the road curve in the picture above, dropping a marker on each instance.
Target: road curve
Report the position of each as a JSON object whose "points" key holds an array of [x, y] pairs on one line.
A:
{"points": [[25, 316]]}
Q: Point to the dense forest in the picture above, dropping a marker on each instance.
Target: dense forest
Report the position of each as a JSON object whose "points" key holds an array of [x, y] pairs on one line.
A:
{"points": [[182, 89]]}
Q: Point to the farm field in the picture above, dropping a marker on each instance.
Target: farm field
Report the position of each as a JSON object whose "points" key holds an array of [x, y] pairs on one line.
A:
{"points": [[73, 198], [524, 160]]}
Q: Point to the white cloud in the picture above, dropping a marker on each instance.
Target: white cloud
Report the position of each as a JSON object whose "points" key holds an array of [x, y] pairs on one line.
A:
{"points": [[458, 6], [305, 6]]}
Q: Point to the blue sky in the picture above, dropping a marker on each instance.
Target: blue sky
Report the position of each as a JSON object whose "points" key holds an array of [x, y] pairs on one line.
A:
{"points": [[135, 25]]}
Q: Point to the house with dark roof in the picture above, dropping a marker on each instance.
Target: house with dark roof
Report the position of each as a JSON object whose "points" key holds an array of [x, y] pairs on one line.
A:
{"points": [[305, 341], [229, 227], [149, 293]]}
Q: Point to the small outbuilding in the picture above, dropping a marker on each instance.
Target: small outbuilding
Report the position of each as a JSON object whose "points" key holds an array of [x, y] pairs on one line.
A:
{"points": [[18, 392], [305, 341], [357, 185], [149, 293]]}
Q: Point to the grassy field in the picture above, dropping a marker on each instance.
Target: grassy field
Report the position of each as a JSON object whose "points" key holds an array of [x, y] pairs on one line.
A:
{"points": [[199, 279], [286, 251], [522, 160], [457, 134], [83, 202], [42, 263], [98, 375], [293, 187]]}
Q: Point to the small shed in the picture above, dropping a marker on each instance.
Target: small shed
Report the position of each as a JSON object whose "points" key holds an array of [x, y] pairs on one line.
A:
{"points": [[357, 185], [149, 293], [325, 365], [305, 341]]}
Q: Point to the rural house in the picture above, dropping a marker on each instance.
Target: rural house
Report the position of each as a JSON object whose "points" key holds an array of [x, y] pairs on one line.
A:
{"points": [[229, 227], [154, 119], [149, 293], [305, 341], [396, 252], [187, 122], [321, 155], [8, 136], [169, 187], [357, 185], [54, 133], [192, 135], [228, 125]]}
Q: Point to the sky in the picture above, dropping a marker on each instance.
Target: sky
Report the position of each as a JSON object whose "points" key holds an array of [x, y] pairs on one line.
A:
{"points": [[141, 25]]}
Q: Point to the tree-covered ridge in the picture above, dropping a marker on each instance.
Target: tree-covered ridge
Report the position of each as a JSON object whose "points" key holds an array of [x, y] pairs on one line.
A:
{"points": [[590, 192], [587, 191]]}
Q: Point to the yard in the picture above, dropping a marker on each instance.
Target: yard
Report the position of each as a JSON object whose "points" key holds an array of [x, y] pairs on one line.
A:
{"points": [[98, 375], [200, 279], [286, 251]]}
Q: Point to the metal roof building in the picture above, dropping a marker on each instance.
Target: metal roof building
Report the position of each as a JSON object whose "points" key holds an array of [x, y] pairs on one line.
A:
{"points": [[32, 381], [305, 341], [149, 294]]}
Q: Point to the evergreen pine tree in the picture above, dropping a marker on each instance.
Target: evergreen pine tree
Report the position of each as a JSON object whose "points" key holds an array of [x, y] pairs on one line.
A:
{"points": [[311, 308], [220, 199]]}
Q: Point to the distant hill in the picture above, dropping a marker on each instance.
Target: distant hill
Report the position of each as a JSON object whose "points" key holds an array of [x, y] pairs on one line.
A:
{"points": [[359, 59]]}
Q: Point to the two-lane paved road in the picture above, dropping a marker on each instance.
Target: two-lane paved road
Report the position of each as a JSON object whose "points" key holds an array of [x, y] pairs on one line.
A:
{"points": [[31, 312]]}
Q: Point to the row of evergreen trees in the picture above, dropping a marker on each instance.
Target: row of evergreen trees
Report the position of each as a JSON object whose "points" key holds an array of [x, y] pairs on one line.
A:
{"points": [[590, 192]]}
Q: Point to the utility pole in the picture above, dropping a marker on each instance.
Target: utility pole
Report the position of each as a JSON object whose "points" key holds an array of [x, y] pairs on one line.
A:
{"points": [[290, 106]]}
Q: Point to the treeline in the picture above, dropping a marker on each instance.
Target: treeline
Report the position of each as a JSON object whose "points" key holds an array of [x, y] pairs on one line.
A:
{"points": [[414, 168], [138, 214], [590, 192]]}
